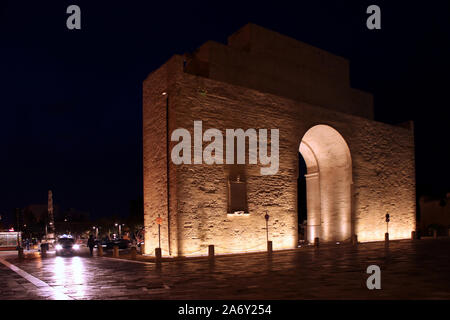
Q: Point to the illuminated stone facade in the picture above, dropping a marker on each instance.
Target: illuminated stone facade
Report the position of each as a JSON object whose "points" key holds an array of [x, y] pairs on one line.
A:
{"points": [[358, 169]]}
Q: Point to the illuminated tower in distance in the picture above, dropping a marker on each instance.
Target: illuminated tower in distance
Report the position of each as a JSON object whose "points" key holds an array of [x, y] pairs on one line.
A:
{"points": [[51, 219]]}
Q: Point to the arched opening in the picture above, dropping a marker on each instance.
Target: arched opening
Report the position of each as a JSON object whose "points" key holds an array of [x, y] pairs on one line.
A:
{"points": [[301, 198], [328, 182]]}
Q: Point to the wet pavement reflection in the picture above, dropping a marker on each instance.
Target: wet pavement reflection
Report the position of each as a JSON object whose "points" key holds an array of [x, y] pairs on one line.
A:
{"points": [[410, 270]]}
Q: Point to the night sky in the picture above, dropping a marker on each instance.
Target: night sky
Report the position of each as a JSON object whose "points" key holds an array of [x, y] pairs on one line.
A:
{"points": [[71, 101]]}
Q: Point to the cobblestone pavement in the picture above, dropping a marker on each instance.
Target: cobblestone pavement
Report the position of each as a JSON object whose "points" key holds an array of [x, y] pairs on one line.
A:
{"points": [[409, 270], [13, 286]]}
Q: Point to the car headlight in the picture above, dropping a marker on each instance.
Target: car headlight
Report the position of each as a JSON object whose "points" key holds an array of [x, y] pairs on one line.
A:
{"points": [[76, 246], [58, 247]]}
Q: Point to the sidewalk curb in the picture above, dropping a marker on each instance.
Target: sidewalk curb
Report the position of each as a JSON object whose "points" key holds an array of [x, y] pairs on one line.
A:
{"points": [[127, 260]]}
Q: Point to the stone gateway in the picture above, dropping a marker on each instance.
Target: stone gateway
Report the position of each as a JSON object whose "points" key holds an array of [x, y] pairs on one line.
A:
{"points": [[357, 169]]}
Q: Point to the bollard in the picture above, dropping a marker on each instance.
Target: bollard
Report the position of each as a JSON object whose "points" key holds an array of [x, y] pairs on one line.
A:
{"points": [[115, 251], [43, 250], [413, 235], [269, 246], [354, 239], [20, 252], [99, 250], [434, 234], [316, 242], [211, 251], [142, 248], [133, 253], [158, 254]]}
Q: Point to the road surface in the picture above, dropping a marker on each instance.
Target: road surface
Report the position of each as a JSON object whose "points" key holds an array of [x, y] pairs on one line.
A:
{"points": [[409, 270]]}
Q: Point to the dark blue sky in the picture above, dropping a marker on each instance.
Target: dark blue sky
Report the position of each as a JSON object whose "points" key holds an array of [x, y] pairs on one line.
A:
{"points": [[71, 101]]}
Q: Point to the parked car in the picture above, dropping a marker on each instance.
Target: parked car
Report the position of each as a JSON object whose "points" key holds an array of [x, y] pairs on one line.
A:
{"points": [[99, 242], [109, 244], [121, 243]]}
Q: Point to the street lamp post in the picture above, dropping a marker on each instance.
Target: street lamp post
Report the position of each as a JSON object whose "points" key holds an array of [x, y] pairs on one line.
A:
{"points": [[387, 222], [269, 243], [386, 235], [267, 225], [66, 225], [120, 228], [159, 221], [96, 232]]}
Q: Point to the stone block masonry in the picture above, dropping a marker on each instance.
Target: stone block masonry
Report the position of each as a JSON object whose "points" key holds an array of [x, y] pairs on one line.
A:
{"points": [[221, 87]]}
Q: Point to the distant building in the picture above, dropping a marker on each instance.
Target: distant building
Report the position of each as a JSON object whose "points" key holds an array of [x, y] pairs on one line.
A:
{"points": [[434, 215], [3, 222], [37, 213], [75, 215], [73, 221], [19, 219]]}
